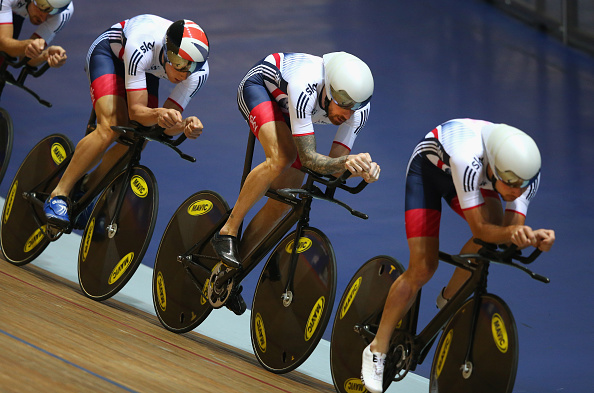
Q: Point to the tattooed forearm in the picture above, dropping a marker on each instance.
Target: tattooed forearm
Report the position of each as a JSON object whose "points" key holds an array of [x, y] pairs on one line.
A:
{"points": [[306, 146]]}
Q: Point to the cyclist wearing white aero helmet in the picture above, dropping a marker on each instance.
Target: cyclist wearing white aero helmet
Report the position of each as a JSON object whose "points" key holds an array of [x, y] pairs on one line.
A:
{"points": [[124, 66], [50, 16], [281, 97], [472, 165]]}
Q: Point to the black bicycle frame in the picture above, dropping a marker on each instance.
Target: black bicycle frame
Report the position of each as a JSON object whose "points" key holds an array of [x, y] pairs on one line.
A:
{"points": [[476, 284]]}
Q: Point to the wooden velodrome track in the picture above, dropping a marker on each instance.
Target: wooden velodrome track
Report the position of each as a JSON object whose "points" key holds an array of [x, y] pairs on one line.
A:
{"points": [[54, 339]]}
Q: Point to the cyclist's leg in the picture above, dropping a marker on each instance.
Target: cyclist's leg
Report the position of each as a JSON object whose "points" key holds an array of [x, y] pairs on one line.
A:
{"points": [[357, 318], [287, 325], [494, 215], [271, 213], [110, 110], [268, 123], [494, 357], [106, 74]]}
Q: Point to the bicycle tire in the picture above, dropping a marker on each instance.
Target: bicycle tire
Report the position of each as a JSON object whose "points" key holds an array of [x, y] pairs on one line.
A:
{"points": [[106, 262], [494, 355], [361, 304], [6, 139], [283, 337], [21, 238], [178, 302]]}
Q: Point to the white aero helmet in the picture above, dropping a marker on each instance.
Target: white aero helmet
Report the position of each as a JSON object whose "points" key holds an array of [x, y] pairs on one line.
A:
{"points": [[512, 154], [348, 79], [52, 7]]}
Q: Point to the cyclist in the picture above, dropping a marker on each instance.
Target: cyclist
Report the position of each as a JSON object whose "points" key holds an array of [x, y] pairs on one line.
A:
{"points": [[49, 15], [472, 164], [124, 66], [281, 98]]}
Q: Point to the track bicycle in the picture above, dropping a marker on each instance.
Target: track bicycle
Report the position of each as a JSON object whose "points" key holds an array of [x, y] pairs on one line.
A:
{"points": [[295, 292], [119, 228], [6, 77], [478, 349]]}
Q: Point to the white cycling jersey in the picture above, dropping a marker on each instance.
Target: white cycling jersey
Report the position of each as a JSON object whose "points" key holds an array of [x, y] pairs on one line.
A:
{"points": [[140, 48], [46, 30], [299, 90], [457, 148]]}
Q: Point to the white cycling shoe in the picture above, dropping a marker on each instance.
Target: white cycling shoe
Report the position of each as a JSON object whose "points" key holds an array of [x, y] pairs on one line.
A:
{"points": [[372, 370]]}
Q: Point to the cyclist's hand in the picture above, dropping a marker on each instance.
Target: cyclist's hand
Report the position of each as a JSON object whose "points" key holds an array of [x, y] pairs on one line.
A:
{"points": [[357, 164], [373, 174], [35, 48], [168, 118], [523, 236], [544, 239], [193, 127], [56, 56]]}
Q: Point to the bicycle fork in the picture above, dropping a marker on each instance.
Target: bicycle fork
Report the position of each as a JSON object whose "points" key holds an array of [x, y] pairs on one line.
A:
{"points": [[467, 367]]}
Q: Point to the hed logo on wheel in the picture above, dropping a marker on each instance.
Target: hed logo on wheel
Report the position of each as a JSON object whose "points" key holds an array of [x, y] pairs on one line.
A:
{"points": [[161, 296], [350, 297], [58, 153], [260, 332], [303, 245], [10, 201], [314, 318]]}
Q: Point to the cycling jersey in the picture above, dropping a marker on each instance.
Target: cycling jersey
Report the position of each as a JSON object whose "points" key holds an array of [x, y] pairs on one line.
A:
{"points": [[451, 163], [295, 83], [46, 30], [137, 43]]}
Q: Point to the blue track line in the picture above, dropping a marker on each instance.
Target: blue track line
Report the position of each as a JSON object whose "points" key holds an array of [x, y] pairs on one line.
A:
{"points": [[67, 362]]}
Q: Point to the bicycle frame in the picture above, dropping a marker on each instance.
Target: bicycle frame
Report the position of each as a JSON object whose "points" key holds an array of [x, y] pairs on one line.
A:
{"points": [[7, 77], [299, 214], [125, 164], [476, 285]]}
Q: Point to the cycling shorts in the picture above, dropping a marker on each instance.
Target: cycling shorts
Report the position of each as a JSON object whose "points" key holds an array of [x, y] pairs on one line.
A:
{"points": [[258, 106], [426, 185], [106, 74]]}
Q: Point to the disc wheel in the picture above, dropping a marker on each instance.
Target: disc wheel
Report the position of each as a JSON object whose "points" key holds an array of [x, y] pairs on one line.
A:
{"points": [[494, 350], [287, 326], [21, 236], [112, 249], [178, 293], [360, 308]]}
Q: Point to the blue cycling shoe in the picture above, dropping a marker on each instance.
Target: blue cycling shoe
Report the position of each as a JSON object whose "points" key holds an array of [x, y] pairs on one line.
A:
{"points": [[56, 211]]}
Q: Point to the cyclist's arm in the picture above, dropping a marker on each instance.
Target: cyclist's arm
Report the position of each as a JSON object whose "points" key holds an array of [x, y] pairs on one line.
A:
{"points": [[357, 164], [139, 111], [516, 232], [14, 48]]}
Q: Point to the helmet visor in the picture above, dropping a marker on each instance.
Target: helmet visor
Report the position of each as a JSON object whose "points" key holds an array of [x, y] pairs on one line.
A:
{"points": [[44, 6], [343, 100], [513, 180], [180, 64]]}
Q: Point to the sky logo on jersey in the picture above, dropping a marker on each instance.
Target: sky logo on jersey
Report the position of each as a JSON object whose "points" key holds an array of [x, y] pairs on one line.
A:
{"points": [[58, 153], [311, 89], [314, 318], [200, 207], [303, 245], [350, 297], [499, 333], [147, 46], [10, 201], [139, 186], [260, 332], [120, 268], [443, 354]]}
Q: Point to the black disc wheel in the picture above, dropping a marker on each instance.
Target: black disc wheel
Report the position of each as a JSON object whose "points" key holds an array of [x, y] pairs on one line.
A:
{"points": [[177, 289]]}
